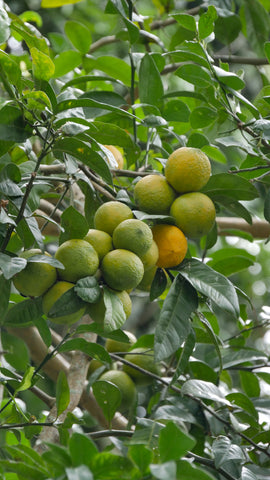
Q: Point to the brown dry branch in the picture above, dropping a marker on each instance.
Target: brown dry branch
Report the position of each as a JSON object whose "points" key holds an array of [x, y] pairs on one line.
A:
{"points": [[76, 373]]}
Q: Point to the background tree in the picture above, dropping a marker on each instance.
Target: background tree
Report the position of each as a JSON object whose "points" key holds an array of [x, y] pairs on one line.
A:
{"points": [[147, 78]]}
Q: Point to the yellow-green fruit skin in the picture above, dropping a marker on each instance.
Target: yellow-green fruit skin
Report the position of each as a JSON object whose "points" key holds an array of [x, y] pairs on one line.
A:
{"points": [[100, 241], [83, 263], [122, 269], [144, 358], [113, 346], [52, 295], [154, 195], [194, 214], [187, 169], [126, 386], [150, 258], [110, 214], [133, 235], [36, 278], [146, 282]]}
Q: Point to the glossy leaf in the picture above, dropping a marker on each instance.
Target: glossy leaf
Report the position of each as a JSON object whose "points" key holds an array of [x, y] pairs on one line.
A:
{"points": [[202, 389], [202, 117], [74, 225], [206, 22], [174, 322], [195, 74], [62, 393], [229, 78], [11, 265], [88, 289], [174, 443], [158, 284], [232, 185], [231, 260], [66, 62], [24, 313], [186, 352], [150, 84], [82, 449], [188, 470], [115, 316], [225, 451], [79, 35], [211, 284], [108, 396], [68, 303], [187, 21], [84, 154], [92, 349], [43, 66]]}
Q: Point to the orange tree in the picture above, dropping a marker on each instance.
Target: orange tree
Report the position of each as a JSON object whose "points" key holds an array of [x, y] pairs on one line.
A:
{"points": [[164, 76]]}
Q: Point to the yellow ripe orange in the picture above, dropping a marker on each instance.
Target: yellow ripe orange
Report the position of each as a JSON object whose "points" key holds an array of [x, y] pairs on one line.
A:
{"points": [[110, 214], [117, 155], [187, 169], [194, 214], [154, 195], [172, 245]]}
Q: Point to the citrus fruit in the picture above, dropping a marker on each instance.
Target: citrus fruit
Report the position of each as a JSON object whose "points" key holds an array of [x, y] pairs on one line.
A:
{"points": [[146, 282], [37, 277], [172, 245], [150, 258], [125, 384], [101, 241], [187, 169], [113, 346], [117, 155], [153, 194], [133, 235], [79, 258], [52, 295], [110, 214], [97, 310], [194, 214], [144, 358], [122, 269], [94, 365]]}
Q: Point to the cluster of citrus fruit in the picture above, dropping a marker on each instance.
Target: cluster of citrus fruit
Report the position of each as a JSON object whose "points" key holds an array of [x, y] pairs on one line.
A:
{"points": [[125, 252]]}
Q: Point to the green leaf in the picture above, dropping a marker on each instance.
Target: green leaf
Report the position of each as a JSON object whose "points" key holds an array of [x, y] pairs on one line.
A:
{"points": [[266, 210], [211, 284], [82, 449], [267, 50], [224, 451], [187, 21], [107, 464], [229, 78], [88, 289], [187, 470], [24, 313], [62, 393], [79, 35], [243, 402], [201, 117], [150, 83], [256, 25], [115, 316], [213, 337], [113, 66], [68, 303], [86, 102], [23, 470], [186, 352], [44, 331], [74, 224], [4, 25], [233, 186], [250, 384], [108, 396], [84, 154], [231, 260], [5, 293], [65, 62], [159, 284], [174, 443], [214, 153], [174, 325], [10, 67], [94, 350], [141, 456], [57, 3], [190, 51], [206, 22], [176, 111], [43, 66], [202, 389], [195, 74], [227, 26], [11, 265], [26, 381]]}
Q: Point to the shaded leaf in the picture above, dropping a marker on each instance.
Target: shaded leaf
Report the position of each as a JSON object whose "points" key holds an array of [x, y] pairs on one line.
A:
{"points": [[88, 289], [79, 35], [68, 303], [174, 443], [108, 396], [158, 284], [231, 260], [74, 225], [150, 84], [164, 470], [82, 449], [202, 389], [115, 316], [202, 117], [65, 62], [94, 350], [186, 352], [225, 451], [195, 74], [62, 393], [188, 470], [212, 284], [79, 473], [24, 313], [11, 265], [174, 322], [26, 381], [5, 293]]}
